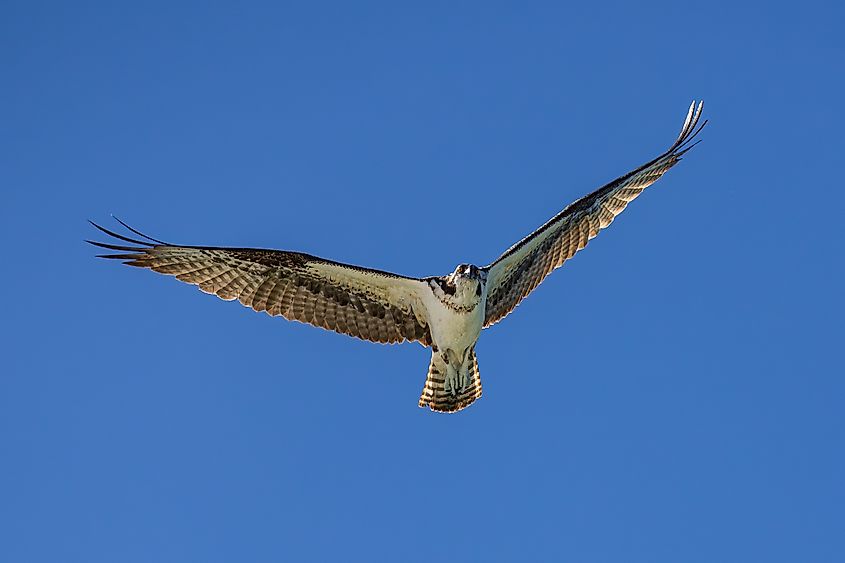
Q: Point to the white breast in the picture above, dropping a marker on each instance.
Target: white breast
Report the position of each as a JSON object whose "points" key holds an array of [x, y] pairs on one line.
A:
{"points": [[455, 328]]}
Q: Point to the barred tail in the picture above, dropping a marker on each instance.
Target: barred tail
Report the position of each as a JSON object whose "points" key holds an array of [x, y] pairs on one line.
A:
{"points": [[434, 394]]}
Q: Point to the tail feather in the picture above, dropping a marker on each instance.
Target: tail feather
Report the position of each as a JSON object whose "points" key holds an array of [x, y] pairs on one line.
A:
{"points": [[434, 394]]}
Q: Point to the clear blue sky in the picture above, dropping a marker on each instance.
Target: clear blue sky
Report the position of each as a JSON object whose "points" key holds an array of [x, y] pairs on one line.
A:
{"points": [[674, 393]]}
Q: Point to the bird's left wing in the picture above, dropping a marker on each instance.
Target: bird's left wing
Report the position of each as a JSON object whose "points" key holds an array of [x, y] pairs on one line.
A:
{"points": [[368, 304], [522, 267]]}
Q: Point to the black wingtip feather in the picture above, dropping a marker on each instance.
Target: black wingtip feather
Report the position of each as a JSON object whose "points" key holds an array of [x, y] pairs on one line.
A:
{"points": [[685, 145], [680, 153], [137, 252], [131, 257], [139, 233], [691, 126], [118, 236], [116, 246]]}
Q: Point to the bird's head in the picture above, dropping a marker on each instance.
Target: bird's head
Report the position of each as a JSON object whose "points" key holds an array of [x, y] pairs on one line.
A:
{"points": [[468, 272], [468, 279]]}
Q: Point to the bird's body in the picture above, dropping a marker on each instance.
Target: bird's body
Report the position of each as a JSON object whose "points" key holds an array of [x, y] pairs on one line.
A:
{"points": [[455, 309], [445, 313]]}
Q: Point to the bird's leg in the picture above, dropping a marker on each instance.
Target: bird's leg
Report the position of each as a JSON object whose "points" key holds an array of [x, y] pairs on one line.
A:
{"points": [[457, 377], [450, 385], [463, 370]]}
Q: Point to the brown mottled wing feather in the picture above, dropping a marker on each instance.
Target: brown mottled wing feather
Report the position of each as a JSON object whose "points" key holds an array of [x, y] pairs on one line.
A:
{"points": [[522, 267], [367, 304]]}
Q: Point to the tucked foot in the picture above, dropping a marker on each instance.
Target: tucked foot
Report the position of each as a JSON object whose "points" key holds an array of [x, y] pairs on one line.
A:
{"points": [[456, 381], [464, 379], [451, 383]]}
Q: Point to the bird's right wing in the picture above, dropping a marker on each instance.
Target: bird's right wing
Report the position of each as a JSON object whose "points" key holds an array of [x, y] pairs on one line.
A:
{"points": [[521, 268], [368, 304]]}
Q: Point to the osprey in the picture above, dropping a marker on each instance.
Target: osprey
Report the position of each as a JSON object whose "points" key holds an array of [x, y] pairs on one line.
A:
{"points": [[445, 313]]}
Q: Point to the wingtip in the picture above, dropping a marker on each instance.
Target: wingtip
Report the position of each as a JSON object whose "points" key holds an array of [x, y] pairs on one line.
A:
{"points": [[691, 127], [137, 232], [150, 241]]}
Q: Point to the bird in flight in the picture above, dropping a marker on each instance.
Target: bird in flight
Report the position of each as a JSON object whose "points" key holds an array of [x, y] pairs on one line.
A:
{"points": [[445, 313]]}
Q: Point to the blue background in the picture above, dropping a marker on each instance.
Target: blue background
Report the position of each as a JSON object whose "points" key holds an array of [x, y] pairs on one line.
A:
{"points": [[674, 393]]}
